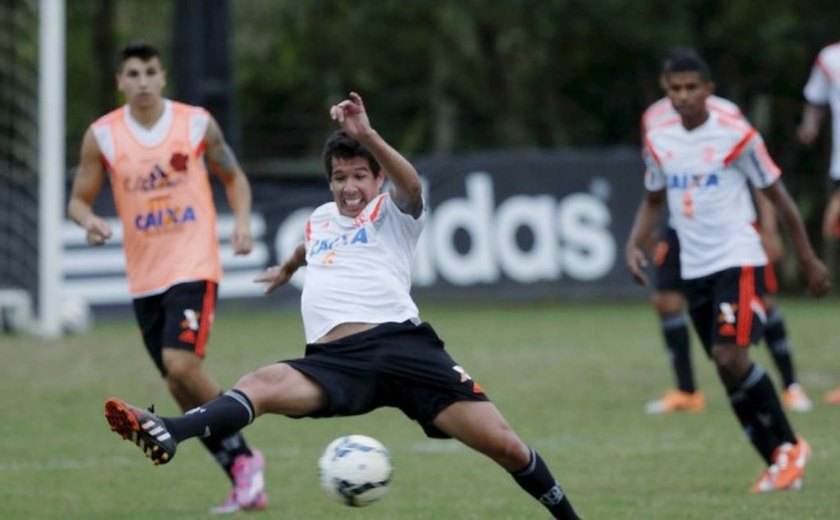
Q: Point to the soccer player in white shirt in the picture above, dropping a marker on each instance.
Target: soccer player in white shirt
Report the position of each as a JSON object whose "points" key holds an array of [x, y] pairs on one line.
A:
{"points": [[667, 295], [702, 165], [367, 347], [822, 92]]}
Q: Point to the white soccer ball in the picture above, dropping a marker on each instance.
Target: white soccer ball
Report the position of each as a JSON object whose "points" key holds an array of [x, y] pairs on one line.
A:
{"points": [[355, 470], [75, 315]]}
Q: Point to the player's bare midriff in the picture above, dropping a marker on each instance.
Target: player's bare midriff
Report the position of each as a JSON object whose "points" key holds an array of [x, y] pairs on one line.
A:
{"points": [[345, 329]]}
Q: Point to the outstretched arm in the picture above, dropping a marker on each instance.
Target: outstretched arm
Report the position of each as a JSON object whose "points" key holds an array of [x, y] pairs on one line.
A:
{"points": [[406, 189], [86, 186], [817, 275], [278, 275], [647, 216], [223, 162]]}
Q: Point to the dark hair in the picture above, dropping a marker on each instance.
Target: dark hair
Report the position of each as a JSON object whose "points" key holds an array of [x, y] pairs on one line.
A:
{"points": [[685, 60], [144, 51], [342, 146]]}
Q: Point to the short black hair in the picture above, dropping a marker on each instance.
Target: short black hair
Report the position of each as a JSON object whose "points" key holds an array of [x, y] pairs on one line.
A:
{"points": [[342, 146], [144, 51], [683, 59]]}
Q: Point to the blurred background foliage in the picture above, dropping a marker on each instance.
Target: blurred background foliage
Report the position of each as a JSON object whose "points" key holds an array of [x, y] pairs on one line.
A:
{"points": [[448, 76], [454, 75]]}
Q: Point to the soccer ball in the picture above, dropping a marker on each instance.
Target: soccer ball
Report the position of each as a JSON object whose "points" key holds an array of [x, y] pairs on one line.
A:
{"points": [[355, 470], [75, 315]]}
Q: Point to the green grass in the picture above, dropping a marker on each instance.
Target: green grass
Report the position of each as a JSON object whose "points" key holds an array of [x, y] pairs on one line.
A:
{"points": [[572, 379]]}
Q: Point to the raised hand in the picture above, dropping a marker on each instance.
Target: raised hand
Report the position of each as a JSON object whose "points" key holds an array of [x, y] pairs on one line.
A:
{"points": [[351, 115]]}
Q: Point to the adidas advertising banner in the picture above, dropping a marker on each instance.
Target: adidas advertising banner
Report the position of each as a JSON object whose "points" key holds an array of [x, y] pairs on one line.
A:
{"points": [[502, 226]]}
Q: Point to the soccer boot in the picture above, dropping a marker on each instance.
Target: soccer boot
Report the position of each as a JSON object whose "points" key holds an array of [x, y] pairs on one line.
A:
{"points": [[249, 480], [143, 428], [796, 400], [231, 506], [248, 492], [786, 471], [677, 401]]}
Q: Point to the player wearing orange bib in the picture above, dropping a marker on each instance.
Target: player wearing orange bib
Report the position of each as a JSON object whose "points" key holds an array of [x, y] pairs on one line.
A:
{"points": [[153, 151]]}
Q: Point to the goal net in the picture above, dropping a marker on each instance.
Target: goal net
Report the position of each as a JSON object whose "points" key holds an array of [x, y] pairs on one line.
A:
{"points": [[18, 161], [31, 162]]}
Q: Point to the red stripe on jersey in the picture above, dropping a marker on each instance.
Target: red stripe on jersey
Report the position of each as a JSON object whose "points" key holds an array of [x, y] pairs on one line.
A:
{"points": [[767, 161], [654, 111], [307, 233], [739, 147], [199, 150], [724, 110], [650, 149], [745, 299], [208, 310], [375, 212]]}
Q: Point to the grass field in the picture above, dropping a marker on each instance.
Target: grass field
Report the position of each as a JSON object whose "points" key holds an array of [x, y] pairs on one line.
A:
{"points": [[572, 379]]}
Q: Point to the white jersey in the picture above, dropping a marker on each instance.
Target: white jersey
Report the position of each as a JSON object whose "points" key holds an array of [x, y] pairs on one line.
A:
{"points": [[358, 269], [823, 88], [662, 112], [706, 172]]}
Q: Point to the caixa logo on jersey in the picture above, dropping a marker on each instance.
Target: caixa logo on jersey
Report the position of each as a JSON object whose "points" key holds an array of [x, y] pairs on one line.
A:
{"points": [[162, 216], [688, 181]]}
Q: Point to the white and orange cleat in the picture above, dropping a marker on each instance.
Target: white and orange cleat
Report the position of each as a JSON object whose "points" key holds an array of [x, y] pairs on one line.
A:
{"points": [[796, 400], [677, 401], [788, 466], [832, 397]]}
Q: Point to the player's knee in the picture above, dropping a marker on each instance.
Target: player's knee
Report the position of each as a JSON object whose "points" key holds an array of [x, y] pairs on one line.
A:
{"points": [[510, 452], [667, 302], [732, 363], [264, 380]]}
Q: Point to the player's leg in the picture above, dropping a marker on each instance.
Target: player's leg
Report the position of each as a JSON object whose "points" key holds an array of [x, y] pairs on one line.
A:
{"points": [[189, 309], [481, 426], [275, 388], [669, 303], [775, 337], [732, 327], [705, 315]]}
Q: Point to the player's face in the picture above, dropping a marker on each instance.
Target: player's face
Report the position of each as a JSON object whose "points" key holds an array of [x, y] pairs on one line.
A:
{"points": [[142, 81], [688, 92], [353, 184]]}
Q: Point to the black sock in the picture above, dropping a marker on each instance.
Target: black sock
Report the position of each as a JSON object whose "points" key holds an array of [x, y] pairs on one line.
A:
{"points": [[675, 331], [536, 479], [775, 335], [758, 433], [765, 401], [222, 417]]}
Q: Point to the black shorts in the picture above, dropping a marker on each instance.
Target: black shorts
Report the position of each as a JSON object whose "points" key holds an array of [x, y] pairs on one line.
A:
{"points": [[666, 260], [401, 365], [179, 318], [727, 307]]}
